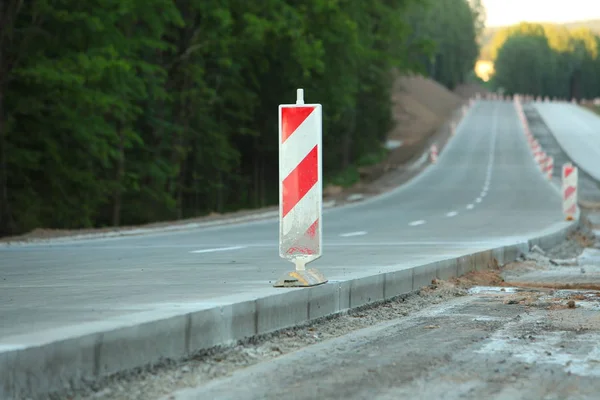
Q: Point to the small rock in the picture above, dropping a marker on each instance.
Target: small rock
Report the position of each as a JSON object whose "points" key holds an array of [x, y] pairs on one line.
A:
{"points": [[567, 262], [393, 144], [102, 393], [185, 369], [355, 197], [538, 250], [582, 270], [571, 304], [332, 190]]}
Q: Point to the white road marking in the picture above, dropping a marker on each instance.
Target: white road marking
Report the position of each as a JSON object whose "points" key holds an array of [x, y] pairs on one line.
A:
{"points": [[415, 223], [452, 214], [483, 193], [350, 234], [478, 200], [218, 249], [470, 206]]}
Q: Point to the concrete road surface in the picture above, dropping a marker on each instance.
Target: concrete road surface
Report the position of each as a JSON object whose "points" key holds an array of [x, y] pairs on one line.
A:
{"points": [[577, 130], [484, 190], [484, 346]]}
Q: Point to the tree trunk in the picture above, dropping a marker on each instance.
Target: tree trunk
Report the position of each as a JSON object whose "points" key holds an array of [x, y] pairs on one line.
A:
{"points": [[5, 215], [256, 160], [220, 192], [262, 184], [347, 140], [117, 201]]}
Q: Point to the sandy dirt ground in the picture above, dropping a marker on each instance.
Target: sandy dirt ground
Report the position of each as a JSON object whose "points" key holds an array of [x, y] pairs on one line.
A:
{"points": [[422, 110], [526, 330]]}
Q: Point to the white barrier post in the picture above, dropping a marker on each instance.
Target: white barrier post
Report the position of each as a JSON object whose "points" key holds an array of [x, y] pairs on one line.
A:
{"points": [[569, 190], [540, 158], [530, 139], [300, 190], [434, 153]]}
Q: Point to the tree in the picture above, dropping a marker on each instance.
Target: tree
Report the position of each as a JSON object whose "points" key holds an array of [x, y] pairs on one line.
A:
{"points": [[547, 60], [126, 112]]}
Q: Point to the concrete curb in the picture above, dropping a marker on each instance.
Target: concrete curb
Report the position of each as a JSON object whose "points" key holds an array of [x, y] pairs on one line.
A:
{"points": [[32, 366]]}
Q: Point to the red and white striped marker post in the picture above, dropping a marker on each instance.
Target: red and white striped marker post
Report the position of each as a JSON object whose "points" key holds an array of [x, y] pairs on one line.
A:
{"points": [[300, 190], [539, 157], [434, 153], [549, 167], [569, 190]]}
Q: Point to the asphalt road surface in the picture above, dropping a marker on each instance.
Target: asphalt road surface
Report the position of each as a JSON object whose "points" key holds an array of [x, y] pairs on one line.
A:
{"points": [[484, 190], [577, 130]]}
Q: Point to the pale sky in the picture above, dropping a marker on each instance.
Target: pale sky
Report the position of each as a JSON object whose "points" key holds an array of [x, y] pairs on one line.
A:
{"points": [[509, 12]]}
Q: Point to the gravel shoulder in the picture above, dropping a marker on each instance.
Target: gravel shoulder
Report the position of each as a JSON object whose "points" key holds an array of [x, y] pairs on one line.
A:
{"points": [[460, 334]]}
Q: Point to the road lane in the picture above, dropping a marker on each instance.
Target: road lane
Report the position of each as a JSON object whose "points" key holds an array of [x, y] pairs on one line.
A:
{"points": [[577, 130], [51, 285]]}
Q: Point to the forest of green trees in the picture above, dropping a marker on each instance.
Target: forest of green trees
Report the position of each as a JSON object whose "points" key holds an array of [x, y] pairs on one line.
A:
{"points": [[119, 112], [547, 60]]}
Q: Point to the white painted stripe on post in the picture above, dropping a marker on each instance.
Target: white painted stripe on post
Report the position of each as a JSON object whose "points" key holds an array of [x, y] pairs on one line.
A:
{"points": [[297, 146], [301, 217]]}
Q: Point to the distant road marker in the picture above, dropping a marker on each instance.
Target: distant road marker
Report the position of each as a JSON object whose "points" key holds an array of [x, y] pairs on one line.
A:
{"points": [[570, 180], [478, 200], [452, 214], [470, 206]]}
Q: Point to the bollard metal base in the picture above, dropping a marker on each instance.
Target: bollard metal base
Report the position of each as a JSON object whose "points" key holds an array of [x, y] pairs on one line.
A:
{"points": [[302, 278]]}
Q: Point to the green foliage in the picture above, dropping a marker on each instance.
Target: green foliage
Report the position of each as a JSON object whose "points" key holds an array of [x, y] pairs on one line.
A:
{"points": [[129, 111], [548, 60], [452, 28], [490, 43]]}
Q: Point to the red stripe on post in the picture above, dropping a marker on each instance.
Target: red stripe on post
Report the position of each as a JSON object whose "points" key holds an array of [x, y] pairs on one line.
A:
{"points": [[312, 230], [301, 249], [569, 191], [569, 171], [300, 180], [292, 118]]}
